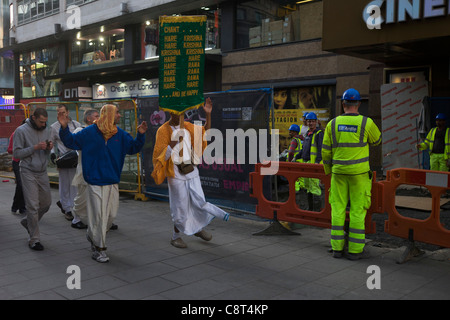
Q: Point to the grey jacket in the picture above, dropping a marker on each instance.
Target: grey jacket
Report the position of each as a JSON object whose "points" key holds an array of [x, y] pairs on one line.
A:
{"points": [[25, 138]]}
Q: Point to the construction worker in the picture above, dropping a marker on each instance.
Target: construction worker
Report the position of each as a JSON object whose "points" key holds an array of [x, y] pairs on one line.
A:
{"points": [[345, 154], [304, 127], [311, 153], [438, 144], [296, 142], [294, 148]]}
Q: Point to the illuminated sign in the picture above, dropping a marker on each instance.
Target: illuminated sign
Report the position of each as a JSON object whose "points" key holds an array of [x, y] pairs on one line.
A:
{"points": [[400, 10], [128, 89]]}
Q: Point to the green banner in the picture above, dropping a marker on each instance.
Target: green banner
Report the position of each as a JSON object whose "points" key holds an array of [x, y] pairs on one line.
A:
{"points": [[181, 62]]}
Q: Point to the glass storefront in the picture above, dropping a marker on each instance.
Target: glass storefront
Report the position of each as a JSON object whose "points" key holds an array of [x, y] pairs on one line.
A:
{"points": [[34, 66], [30, 10], [271, 22], [96, 50]]}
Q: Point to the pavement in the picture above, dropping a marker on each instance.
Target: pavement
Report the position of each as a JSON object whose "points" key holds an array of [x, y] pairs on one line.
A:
{"points": [[235, 265]]}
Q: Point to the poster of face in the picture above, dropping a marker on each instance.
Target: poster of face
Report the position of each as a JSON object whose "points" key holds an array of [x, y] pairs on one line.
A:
{"points": [[290, 104]]}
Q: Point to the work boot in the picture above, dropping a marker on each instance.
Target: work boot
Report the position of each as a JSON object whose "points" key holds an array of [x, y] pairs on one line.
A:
{"points": [[337, 254], [356, 256]]}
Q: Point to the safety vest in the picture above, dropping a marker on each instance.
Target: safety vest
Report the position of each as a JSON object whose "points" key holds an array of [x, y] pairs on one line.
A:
{"points": [[297, 149], [429, 142], [345, 148], [314, 147]]}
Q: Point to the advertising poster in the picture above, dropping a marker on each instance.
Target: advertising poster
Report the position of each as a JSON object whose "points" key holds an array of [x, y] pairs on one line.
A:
{"points": [[291, 103], [181, 62]]}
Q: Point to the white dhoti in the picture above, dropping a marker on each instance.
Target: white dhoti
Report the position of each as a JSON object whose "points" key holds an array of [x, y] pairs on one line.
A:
{"points": [[79, 210], [102, 206], [188, 207]]}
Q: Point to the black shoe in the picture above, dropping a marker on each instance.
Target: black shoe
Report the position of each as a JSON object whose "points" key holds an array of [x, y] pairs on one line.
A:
{"points": [[114, 227], [79, 225], [60, 206], [68, 216], [337, 254], [36, 246]]}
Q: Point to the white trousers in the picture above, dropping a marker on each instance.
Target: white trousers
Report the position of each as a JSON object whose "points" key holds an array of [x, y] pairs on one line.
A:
{"points": [[102, 206], [79, 211], [188, 207], [67, 191]]}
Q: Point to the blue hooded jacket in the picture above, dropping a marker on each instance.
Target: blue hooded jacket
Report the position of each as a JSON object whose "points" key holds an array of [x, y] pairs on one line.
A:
{"points": [[102, 160]]}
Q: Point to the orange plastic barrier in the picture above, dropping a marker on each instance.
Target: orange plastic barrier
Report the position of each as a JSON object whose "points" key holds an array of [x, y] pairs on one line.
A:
{"points": [[289, 210], [429, 230]]}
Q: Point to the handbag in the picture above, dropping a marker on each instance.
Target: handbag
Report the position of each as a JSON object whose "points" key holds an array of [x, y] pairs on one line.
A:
{"points": [[185, 168], [67, 160]]}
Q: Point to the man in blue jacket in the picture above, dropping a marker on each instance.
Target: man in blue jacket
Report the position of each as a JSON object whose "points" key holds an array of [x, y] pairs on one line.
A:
{"points": [[104, 148]]}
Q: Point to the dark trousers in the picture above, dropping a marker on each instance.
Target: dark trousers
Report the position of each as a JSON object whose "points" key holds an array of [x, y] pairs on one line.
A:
{"points": [[18, 201]]}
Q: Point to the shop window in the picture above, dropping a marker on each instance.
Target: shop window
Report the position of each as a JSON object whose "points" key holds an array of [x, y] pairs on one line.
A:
{"points": [[97, 50], [270, 22], [34, 67], [30, 10], [150, 39]]}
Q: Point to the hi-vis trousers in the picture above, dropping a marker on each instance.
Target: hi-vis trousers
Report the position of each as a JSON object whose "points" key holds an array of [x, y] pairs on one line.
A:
{"points": [[438, 162], [356, 189]]}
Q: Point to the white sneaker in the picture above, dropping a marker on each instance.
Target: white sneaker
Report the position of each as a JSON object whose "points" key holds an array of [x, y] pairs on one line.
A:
{"points": [[100, 256]]}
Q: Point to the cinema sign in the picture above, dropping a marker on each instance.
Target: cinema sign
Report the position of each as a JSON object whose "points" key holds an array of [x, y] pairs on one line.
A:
{"points": [[378, 12]]}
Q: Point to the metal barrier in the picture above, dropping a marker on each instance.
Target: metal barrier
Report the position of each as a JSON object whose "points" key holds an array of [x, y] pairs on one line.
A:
{"points": [[131, 180], [289, 211]]}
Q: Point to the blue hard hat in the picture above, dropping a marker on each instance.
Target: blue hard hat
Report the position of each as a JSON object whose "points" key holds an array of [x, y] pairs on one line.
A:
{"points": [[441, 116], [311, 116], [351, 95], [294, 127], [305, 114]]}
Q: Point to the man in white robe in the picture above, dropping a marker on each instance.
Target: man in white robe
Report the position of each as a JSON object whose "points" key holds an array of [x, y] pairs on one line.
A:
{"points": [[189, 209]]}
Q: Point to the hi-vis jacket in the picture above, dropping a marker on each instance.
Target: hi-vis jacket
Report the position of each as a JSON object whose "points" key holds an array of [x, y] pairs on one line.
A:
{"points": [[345, 148], [429, 142]]}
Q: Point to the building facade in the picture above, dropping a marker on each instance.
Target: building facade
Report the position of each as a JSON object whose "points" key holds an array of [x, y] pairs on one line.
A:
{"points": [[80, 49]]}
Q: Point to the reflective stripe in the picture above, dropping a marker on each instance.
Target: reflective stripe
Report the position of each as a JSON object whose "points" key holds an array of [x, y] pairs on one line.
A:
{"points": [[377, 142], [354, 240], [334, 237], [326, 147], [351, 145], [337, 227], [347, 162], [359, 231]]}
